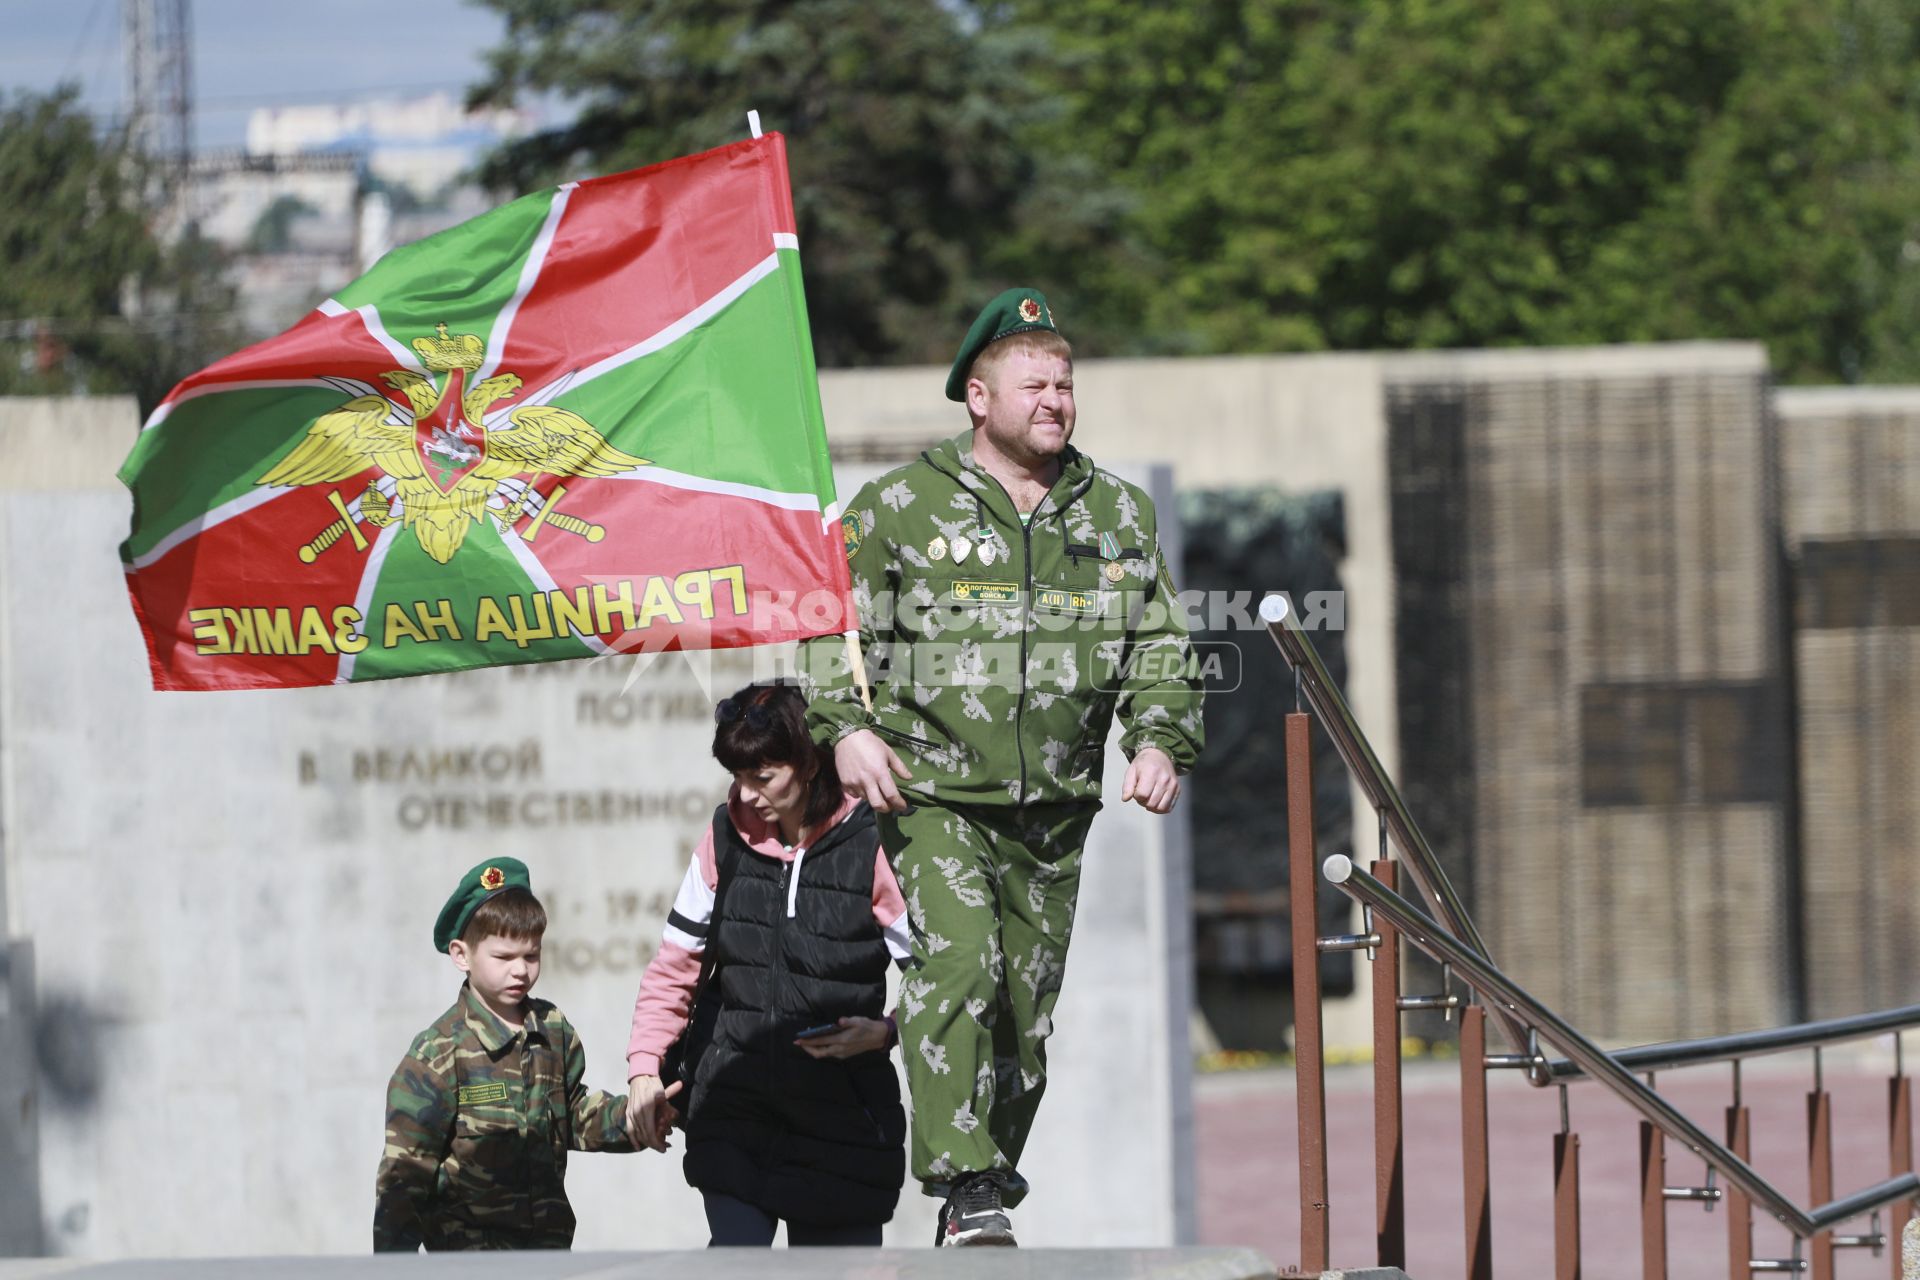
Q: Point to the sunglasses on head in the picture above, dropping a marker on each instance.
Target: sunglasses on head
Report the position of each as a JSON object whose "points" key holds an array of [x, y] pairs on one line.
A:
{"points": [[727, 710]]}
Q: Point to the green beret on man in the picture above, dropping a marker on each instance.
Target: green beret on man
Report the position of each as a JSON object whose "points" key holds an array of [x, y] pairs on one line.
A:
{"points": [[1015, 311], [486, 880]]}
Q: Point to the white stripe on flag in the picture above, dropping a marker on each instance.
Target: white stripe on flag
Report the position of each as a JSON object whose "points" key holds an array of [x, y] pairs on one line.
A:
{"points": [[786, 240], [685, 324], [701, 484], [363, 596], [193, 528], [370, 317], [529, 272], [530, 564]]}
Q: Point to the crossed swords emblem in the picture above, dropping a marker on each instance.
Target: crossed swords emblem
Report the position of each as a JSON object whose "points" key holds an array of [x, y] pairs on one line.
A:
{"points": [[375, 508], [447, 455]]}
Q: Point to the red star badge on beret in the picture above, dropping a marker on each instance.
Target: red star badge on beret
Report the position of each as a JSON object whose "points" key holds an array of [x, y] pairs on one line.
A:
{"points": [[492, 878], [1030, 311]]}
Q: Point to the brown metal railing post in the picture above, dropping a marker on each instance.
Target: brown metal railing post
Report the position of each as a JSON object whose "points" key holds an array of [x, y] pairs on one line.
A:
{"points": [[1653, 1203], [1473, 1141], [1899, 1150], [1820, 1165], [1739, 1205], [1389, 1168], [1566, 1198], [1308, 1065]]}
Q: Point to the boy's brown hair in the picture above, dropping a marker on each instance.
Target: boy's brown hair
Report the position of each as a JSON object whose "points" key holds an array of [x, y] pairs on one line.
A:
{"points": [[511, 913]]}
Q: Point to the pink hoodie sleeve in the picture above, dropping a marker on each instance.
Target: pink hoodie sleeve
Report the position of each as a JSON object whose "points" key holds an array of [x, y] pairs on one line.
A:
{"points": [[890, 909], [667, 988], [890, 913]]}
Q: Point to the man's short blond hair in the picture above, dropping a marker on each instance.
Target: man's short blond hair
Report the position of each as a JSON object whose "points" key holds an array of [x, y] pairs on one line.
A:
{"points": [[1037, 342]]}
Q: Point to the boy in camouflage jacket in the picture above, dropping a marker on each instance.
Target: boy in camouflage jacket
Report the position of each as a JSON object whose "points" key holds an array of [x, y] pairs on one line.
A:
{"points": [[485, 1106], [1013, 599]]}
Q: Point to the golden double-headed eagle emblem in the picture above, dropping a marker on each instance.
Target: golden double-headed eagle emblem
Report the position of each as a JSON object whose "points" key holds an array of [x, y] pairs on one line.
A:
{"points": [[448, 458]]}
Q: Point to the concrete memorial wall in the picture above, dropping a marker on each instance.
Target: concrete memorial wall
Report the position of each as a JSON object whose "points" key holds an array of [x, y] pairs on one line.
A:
{"points": [[1593, 711], [1850, 529], [229, 901]]}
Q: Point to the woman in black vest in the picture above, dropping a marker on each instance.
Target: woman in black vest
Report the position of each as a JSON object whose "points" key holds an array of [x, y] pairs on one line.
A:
{"points": [[769, 987]]}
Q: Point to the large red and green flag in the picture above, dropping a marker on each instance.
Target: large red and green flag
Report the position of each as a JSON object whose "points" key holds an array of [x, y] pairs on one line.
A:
{"points": [[585, 422]]}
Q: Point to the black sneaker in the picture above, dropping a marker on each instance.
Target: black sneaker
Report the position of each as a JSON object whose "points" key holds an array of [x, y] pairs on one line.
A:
{"points": [[973, 1214]]}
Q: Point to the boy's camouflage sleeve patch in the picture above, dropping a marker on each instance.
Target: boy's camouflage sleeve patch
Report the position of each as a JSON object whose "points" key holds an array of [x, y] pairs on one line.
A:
{"points": [[599, 1118], [420, 1112]]}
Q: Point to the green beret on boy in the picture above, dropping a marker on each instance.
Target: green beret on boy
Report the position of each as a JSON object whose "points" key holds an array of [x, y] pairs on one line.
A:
{"points": [[491, 878], [1015, 311]]}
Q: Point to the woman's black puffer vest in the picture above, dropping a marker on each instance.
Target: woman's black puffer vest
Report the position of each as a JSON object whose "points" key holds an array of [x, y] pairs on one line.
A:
{"points": [[808, 1140]]}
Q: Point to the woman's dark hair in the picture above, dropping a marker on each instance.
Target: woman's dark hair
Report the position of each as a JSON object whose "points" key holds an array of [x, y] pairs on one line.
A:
{"points": [[767, 724]]}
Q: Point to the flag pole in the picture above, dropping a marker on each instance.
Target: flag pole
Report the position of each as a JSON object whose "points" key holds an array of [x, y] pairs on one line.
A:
{"points": [[858, 663]]}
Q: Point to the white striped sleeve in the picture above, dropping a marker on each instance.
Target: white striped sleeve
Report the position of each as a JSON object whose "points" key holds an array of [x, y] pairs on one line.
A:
{"points": [[890, 910], [692, 911], [899, 940]]}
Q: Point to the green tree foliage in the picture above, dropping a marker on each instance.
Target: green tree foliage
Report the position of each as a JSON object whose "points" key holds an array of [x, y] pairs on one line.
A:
{"points": [[902, 118], [90, 300], [1291, 175], [1439, 173]]}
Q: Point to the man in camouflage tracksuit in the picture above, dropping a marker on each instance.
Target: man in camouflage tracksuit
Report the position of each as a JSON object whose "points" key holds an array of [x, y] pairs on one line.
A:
{"points": [[482, 1111], [1013, 600]]}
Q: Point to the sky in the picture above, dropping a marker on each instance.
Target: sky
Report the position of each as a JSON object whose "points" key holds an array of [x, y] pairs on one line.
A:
{"points": [[249, 54]]}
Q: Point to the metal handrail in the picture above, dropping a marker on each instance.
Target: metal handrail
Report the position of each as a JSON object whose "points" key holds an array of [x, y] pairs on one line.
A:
{"points": [[1749, 1044], [1483, 976], [1417, 855]]}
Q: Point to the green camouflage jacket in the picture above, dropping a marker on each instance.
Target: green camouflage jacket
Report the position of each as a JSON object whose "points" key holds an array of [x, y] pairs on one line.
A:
{"points": [[1001, 651], [479, 1122]]}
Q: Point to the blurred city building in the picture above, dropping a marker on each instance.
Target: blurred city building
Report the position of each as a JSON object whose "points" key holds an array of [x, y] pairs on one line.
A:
{"points": [[319, 192], [423, 146]]}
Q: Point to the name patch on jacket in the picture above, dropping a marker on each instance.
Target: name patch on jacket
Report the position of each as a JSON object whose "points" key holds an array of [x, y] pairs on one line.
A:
{"points": [[1062, 600], [481, 1094], [968, 592]]}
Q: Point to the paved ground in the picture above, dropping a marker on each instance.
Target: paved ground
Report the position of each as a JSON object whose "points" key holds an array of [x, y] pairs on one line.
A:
{"points": [[1249, 1165], [725, 1264]]}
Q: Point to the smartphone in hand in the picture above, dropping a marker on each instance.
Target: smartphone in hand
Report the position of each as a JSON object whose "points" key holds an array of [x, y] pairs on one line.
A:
{"points": [[821, 1030]]}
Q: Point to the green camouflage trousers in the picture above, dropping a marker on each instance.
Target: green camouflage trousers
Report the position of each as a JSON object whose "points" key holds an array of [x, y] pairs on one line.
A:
{"points": [[990, 896]]}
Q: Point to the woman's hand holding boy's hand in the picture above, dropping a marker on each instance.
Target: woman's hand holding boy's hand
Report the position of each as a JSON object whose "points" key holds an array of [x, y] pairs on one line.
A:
{"points": [[856, 1035], [650, 1113]]}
